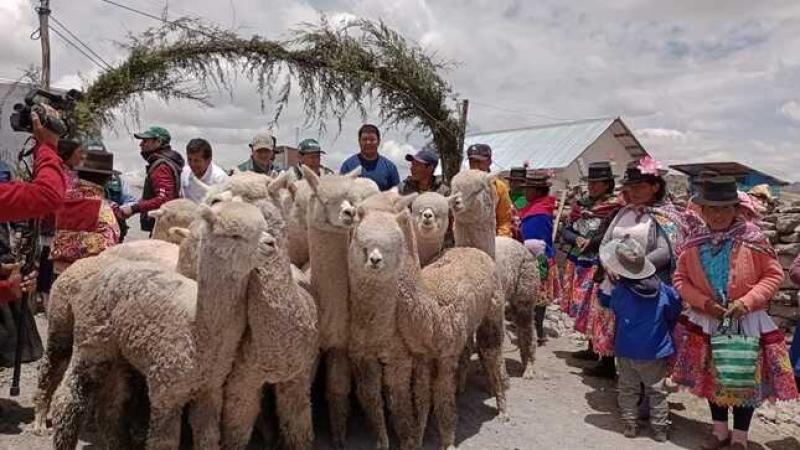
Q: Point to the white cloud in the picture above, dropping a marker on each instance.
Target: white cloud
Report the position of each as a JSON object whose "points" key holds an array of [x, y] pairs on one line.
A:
{"points": [[791, 110]]}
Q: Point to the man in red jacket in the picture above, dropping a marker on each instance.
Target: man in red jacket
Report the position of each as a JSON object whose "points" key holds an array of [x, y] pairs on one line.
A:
{"points": [[45, 193]]}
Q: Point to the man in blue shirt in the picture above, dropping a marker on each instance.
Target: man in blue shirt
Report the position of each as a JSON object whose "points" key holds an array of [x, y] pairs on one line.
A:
{"points": [[373, 166]]}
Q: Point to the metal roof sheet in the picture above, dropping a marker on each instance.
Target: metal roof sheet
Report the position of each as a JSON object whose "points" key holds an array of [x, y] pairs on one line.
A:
{"points": [[545, 147], [731, 168]]}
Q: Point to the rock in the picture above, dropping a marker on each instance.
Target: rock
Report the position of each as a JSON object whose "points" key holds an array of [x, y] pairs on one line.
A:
{"points": [[787, 283], [783, 311], [772, 235], [790, 238], [786, 297], [764, 225], [788, 249], [771, 218], [793, 209], [787, 223]]}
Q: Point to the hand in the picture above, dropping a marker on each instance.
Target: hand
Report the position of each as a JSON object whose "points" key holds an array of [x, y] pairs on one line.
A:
{"points": [[582, 243], [42, 134], [612, 277], [29, 282], [15, 277], [736, 310], [715, 309], [126, 211]]}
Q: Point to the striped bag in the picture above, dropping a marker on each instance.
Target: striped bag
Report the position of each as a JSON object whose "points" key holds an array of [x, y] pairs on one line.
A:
{"points": [[735, 357]]}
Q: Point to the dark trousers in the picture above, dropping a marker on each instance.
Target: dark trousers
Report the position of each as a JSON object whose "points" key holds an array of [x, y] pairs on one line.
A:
{"points": [[538, 318], [742, 415]]}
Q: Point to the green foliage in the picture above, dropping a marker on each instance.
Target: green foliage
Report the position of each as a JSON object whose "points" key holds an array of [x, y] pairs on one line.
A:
{"points": [[336, 71]]}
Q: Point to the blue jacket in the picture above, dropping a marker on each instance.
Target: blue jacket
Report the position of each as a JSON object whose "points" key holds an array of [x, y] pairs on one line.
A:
{"points": [[539, 226], [382, 171], [645, 311]]}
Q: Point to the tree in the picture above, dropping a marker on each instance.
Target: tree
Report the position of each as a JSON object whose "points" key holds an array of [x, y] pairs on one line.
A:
{"points": [[337, 70]]}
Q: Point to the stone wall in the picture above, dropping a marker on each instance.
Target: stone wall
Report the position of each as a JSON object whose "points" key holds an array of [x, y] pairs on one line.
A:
{"points": [[783, 228]]}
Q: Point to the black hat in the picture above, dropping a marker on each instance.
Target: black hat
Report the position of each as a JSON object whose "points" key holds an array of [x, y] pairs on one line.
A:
{"points": [[97, 161], [537, 180], [517, 173], [704, 176], [599, 171], [634, 174], [718, 191], [424, 156], [479, 152]]}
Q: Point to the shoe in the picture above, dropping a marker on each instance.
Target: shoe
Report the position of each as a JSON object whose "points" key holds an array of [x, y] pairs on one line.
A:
{"points": [[660, 434], [606, 369], [585, 355], [540, 342], [713, 443], [631, 430]]}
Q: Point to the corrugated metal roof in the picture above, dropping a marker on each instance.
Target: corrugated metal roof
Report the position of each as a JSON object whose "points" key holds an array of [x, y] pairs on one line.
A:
{"points": [[545, 147], [732, 168]]}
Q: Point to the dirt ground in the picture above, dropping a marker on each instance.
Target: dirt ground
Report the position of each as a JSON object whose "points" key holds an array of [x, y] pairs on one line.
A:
{"points": [[560, 409]]}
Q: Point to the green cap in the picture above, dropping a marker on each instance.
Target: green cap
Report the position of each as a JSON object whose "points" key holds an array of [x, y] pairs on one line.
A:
{"points": [[309, 146], [154, 132]]}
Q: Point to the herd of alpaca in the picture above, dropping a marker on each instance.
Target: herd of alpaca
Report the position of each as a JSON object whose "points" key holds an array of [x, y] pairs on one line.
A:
{"points": [[268, 281]]}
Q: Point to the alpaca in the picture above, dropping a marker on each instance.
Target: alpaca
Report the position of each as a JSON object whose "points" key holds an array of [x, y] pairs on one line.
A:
{"points": [[436, 310], [174, 213], [298, 226], [474, 226], [330, 215], [430, 214], [181, 335], [377, 354], [280, 347]]}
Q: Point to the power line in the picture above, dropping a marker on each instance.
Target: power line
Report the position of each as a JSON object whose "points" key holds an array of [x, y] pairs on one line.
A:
{"points": [[76, 47], [522, 113], [160, 19], [86, 46]]}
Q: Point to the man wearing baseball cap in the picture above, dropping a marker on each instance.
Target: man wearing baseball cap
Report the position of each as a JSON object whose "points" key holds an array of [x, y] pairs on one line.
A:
{"points": [[421, 179], [310, 156], [480, 158], [262, 155], [163, 180], [374, 166]]}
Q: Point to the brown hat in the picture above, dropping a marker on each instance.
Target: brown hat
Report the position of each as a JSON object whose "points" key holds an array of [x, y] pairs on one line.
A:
{"points": [[538, 179], [718, 191], [518, 174], [97, 161]]}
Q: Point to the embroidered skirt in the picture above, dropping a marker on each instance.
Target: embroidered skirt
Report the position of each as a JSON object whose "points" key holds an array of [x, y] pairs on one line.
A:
{"points": [[602, 327], [551, 284], [692, 367]]}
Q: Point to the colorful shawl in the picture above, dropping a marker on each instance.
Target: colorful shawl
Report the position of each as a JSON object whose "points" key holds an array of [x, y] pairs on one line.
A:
{"points": [[742, 231], [541, 205]]}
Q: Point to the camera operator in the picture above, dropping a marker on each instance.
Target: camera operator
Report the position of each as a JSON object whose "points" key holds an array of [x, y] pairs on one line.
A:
{"points": [[45, 193]]}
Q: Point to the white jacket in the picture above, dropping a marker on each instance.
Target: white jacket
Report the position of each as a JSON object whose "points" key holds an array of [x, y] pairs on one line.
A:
{"points": [[214, 175]]}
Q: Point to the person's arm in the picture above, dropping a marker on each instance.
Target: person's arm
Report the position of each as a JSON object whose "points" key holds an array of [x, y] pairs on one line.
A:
{"points": [[347, 166], [394, 176], [661, 255], [674, 305], [504, 210], [569, 236], [769, 280], [43, 195], [684, 285], [164, 187]]}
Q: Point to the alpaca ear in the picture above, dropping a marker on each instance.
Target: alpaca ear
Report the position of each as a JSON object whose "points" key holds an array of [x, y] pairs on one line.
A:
{"points": [[403, 217], [234, 171], [224, 196], [207, 214], [355, 173], [237, 199], [360, 213], [404, 202], [311, 177], [155, 214], [456, 202], [179, 233], [282, 182], [292, 188]]}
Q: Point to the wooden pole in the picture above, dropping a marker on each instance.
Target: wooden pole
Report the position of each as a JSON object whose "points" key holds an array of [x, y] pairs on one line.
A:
{"points": [[44, 36], [561, 202], [463, 132]]}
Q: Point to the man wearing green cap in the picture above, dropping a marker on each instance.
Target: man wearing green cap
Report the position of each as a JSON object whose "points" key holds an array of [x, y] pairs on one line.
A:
{"points": [[163, 180], [311, 157]]}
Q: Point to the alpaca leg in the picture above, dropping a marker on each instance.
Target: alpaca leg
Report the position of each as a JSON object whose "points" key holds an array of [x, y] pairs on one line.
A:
{"points": [[463, 365], [523, 318], [422, 396], [367, 374], [293, 404], [112, 400], [243, 394], [490, 350], [69, 410], [165, 426], [397, 376], [337, 394], [444, 402], [204, 416], [51, 372]]}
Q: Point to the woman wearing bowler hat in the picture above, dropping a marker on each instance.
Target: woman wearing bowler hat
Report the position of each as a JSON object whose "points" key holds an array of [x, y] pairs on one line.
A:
{"points": [[582, 227], [85, 225], [729, 270]]}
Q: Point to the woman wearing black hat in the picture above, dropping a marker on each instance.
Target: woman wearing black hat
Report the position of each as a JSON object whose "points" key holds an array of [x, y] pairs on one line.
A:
{"points": [[85, 225], [583, 225], [728, 273], [650, 219]]}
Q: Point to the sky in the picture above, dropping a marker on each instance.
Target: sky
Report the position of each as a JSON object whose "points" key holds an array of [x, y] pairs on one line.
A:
{"points": [[695, 81]]}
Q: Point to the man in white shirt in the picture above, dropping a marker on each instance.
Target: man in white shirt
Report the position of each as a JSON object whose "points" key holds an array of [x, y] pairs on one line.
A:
{"points": [[198, 156]]}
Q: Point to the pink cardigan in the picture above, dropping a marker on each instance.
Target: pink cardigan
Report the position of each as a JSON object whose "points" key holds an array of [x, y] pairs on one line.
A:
{"points": [[754, 278]]}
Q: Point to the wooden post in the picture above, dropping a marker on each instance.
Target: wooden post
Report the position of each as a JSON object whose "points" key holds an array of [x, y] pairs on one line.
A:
{"points": [[44, 36]]}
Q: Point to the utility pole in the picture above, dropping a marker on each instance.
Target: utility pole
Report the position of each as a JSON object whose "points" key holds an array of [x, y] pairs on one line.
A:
{"points": [[463, 130], [44, 36]]}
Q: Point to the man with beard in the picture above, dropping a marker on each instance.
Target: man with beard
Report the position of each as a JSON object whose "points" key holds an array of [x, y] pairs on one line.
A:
{"points": [[163, 180]]}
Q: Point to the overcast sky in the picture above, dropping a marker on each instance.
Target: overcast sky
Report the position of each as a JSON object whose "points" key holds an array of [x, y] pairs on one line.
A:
{"points": [[695, 80]]}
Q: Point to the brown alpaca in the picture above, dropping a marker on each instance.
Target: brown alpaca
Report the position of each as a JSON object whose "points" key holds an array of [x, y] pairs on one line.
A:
{"points": [[180, 334]]}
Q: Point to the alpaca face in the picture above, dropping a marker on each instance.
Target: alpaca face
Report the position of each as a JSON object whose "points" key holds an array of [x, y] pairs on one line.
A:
{"points": [[430, 212], [275, 244], [377, 245], [230, 233], [332, 205], [473, 196]]}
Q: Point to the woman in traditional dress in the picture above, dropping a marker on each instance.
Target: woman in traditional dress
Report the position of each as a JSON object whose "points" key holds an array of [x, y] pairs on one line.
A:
{"points": [[536, 228], [586, 217], [707, 281], [650, 219]]}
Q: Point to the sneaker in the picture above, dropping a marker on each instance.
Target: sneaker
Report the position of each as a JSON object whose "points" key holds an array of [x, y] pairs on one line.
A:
{"points": [[631, 430], [660, 434]]}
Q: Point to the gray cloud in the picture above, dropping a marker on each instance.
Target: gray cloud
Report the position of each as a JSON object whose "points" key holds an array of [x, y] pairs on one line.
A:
{"points": [[700, 80]]}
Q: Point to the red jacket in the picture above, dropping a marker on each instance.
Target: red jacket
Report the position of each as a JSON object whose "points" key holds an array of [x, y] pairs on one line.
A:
{"points": [[6, 294], [20, 200]]}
